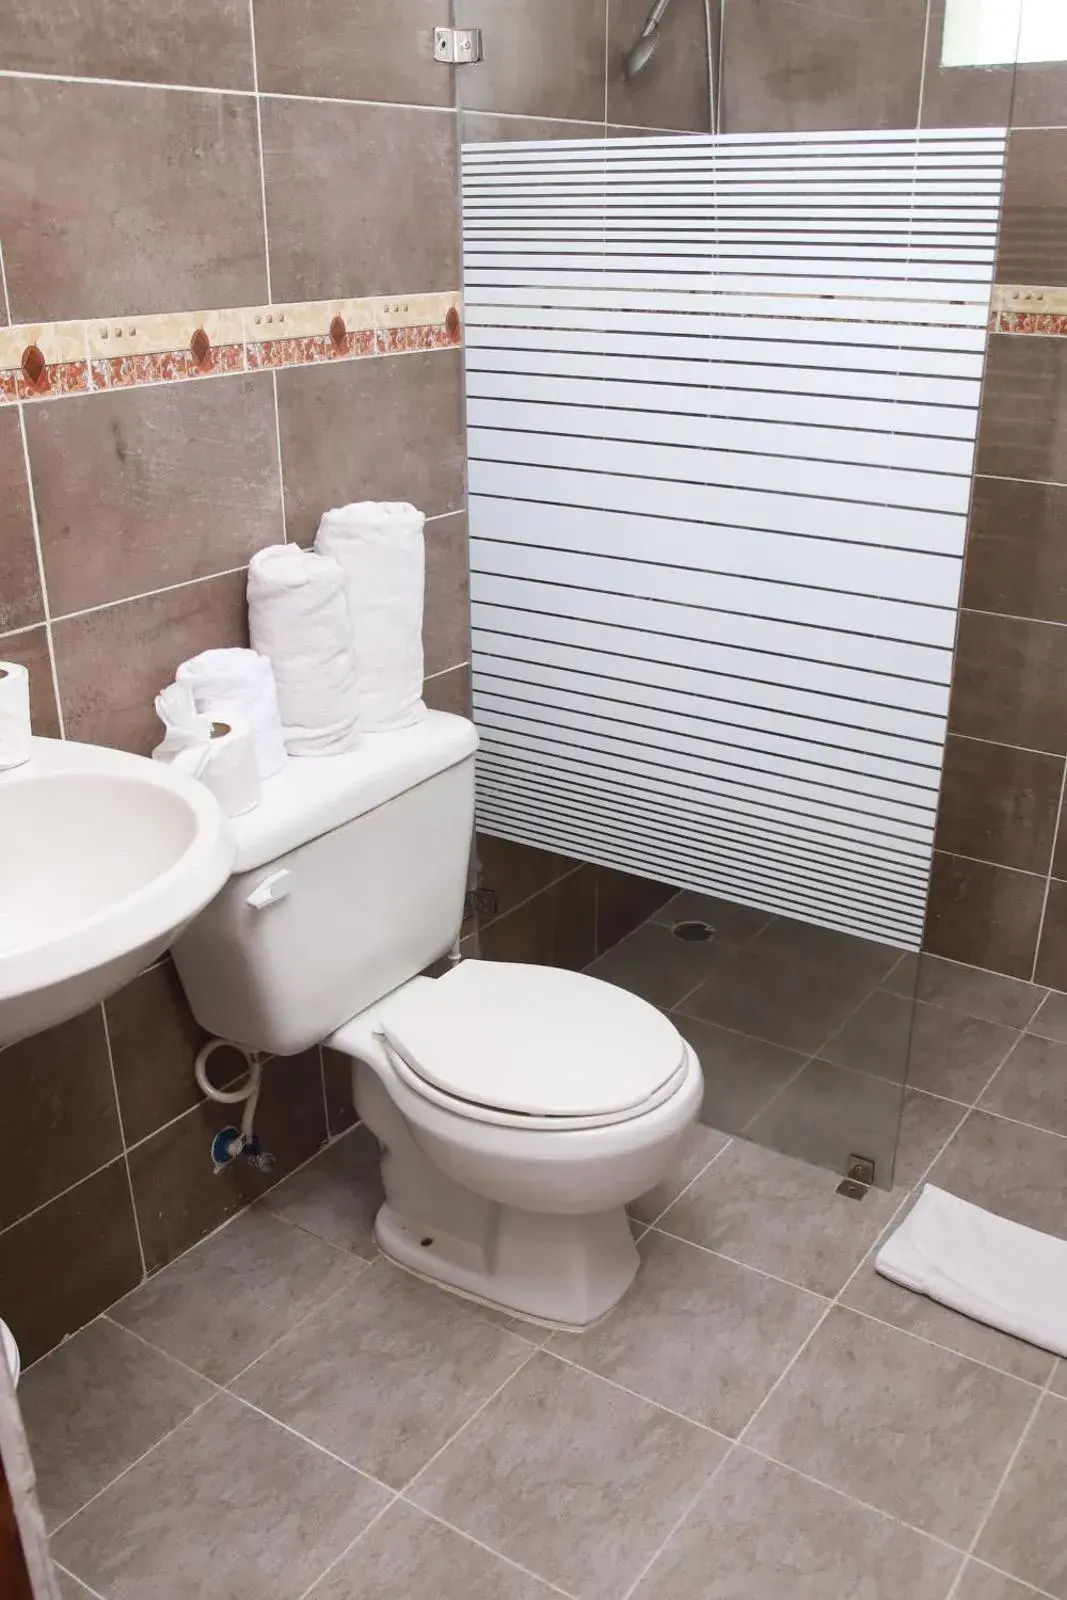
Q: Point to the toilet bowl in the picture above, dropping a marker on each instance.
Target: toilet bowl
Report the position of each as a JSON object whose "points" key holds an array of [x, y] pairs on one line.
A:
{"points": [[519, 1109]]}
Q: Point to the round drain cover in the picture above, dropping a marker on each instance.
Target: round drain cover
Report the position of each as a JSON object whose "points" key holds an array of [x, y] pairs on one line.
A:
{"points": [[693, 932]]}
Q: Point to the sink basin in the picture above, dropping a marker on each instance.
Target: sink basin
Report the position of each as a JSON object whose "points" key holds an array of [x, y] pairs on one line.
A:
{"points": [[104, 858]]}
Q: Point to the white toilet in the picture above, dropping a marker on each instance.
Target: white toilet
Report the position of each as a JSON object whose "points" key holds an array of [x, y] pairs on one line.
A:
{"points": [[519, 1108]]}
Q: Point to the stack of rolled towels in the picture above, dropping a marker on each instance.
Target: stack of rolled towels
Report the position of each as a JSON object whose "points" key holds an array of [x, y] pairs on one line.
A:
{"points": [[336, 636]]}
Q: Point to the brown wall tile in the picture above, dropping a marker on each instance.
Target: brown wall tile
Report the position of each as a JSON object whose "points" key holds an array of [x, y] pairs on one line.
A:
{"points": [[999, 804], [1040, 95], [69, 1261], [144, 488], [195, 42], [1033, 233], [544, 60], [446, 621], [623, 902], [154, 1041], [30, 650], [557, 928], [361, 200], [112, 663], [485, 127], [984, 915], [389, 428], [1022, 430], [180, 1199], [1052, 952], [449, 691], [515, 872], [1059, 855], [1008, 682], [118, 201], [67, 1120], [962, 97], [20, 587], [1017, 549], [826, 64], [672, 91], [353, 50]]}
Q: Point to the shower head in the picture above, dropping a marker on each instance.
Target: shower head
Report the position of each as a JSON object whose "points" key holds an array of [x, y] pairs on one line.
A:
{"points": [[640, 54]]}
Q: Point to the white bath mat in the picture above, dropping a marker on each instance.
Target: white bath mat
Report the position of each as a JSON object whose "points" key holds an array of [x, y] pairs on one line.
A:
{"points": [[998, 1272]]}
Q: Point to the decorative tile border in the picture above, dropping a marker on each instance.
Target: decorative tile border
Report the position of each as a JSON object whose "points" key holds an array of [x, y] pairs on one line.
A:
{"points": [[46, 360], [1022, 308]]}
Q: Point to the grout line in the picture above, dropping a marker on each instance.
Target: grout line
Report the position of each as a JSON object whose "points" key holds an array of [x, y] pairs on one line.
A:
{"points": [[59, 1196], [1014, 616], [149, 594], [3, 287], [67, 1573], [488, 1548], [535, 1350], [990, 1366], [322, 1449], [458, 667], [31, 495], [519, 904], [1027, 1588], [336, 1562], [1048, 879], [259, 153], [221, 91], [654, 1557], [207, 1401], [134, 1333], [635, 1394], [361, 1265], [694, 1179], [1031, 1419], [122, 1136], [720, 1255], [1041, 483], [922, 69]]}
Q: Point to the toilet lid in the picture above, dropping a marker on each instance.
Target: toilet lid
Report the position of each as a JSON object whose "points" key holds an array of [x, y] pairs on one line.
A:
{"points": [[536, 1041]]}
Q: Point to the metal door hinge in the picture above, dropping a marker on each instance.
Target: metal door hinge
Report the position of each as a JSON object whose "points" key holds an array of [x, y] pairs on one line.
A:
{"points": [[858, 1179], [459, 47]]}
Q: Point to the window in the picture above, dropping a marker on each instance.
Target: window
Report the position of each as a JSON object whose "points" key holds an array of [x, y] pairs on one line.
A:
{"points": [[988, 33]]}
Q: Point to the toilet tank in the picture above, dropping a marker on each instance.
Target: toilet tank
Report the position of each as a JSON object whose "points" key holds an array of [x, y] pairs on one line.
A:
{"points": [[349, 879]]}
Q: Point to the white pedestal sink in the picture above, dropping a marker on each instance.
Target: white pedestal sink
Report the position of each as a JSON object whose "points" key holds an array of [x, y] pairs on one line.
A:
{"points": [[104, 858]]}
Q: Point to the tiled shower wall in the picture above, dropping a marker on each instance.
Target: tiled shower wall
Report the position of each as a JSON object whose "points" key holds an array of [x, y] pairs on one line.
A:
{"points": [[158, 159]]}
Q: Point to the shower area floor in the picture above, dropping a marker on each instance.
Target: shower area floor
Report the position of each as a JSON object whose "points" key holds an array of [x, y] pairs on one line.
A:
{"points": [[803, 1033]]}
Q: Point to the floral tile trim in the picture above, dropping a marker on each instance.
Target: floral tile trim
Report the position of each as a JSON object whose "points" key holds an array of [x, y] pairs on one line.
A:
{"points": [[1023, 308], [46, 360]]}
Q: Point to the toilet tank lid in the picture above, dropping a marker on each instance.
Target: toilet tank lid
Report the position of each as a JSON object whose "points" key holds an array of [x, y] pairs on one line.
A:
{"points": [[311, 795]]}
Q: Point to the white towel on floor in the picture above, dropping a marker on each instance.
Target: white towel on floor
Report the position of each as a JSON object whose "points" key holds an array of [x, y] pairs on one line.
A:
{"points": [[298, 619], [1010, 1277], [243, 681], [381, 549]]}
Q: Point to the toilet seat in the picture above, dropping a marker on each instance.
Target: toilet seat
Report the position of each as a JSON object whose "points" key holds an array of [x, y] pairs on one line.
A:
{"points": [[532, 1047]]}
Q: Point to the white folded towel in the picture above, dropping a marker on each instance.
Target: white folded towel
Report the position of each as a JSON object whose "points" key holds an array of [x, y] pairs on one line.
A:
{"points": [[381, 550], [998, 1272], [244, 681], [298, 619]]}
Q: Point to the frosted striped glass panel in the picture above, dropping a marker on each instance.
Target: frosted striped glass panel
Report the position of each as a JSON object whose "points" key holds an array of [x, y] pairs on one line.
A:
{"points": [[722, 407]]}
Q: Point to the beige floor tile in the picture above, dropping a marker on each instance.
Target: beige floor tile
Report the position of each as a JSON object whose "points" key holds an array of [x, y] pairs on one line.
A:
{"points": [[915, 1313], [385, 1373], [572, 1478], [926, 1124], [944, 1052], [781, 1215], [652, 963], [1026, 1534], [408, 1554], [1013, 1170], [225, 1302], [337, 1195], [1051, 1019], [828, 1114], [93, 1406], [230, 1507], [1031, 1086], [759, 1532], [982, 1583], [697, 1333], [989, 995], [913, 1430], [71, 1588], [740, 1074], [701, 1145], [865, 960], [1059, 1379]]}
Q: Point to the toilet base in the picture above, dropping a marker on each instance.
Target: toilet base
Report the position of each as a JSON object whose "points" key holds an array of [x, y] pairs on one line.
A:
{"points": [[562, 1271]]}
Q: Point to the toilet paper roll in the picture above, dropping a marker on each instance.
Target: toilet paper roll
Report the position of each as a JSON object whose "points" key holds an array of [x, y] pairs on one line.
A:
{"points": [[15, 746], [230, 769]]}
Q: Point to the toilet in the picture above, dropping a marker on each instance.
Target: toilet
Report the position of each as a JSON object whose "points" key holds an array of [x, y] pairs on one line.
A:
{"points": [[519, 1108]]}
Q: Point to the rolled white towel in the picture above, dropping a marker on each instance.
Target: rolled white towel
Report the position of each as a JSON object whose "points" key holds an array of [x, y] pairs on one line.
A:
{"points": [[381, 550], [298, 618], [243, 680]]}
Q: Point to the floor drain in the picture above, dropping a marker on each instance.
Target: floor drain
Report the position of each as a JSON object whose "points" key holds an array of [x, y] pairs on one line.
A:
{"points": [[693, 932]]}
